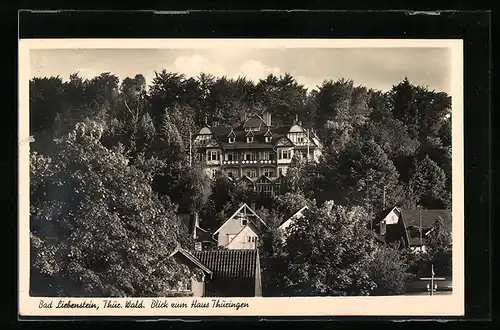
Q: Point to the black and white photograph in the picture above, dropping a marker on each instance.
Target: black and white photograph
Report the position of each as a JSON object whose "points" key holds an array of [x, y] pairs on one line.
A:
{"points": [[196, 175]]}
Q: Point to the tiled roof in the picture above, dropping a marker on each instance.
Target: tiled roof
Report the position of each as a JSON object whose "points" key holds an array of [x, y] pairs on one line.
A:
{"points": [[426, 219], [416, 226], [259, 142], [203, 236], [254, 121], [229, 264], [234, 272]]}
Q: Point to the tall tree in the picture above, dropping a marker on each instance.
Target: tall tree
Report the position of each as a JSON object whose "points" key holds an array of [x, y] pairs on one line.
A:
{"points": [[45, 103], [97, 228], [328, 253], [360, 174], [428, 183]]}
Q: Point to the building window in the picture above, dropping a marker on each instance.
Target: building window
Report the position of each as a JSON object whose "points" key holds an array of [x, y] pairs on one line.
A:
{"points": [[214, 172], [266, 155], [214, 155], [249, 139], [230, 238], [268, 139], [231, 140], [232, 156], [300, 139], [232, 173], [251, 239], [285, 154], [244, 221], [268, 172], [250, 156], [251, 172]]}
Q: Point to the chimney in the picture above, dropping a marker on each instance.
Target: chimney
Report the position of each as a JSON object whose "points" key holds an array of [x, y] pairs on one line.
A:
{"points": [[267, 118], [383, 227], [243, 116], [194, 223]]}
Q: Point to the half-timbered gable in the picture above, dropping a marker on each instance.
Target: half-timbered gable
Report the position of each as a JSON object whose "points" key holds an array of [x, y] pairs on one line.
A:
{"points": [[242, 218]]}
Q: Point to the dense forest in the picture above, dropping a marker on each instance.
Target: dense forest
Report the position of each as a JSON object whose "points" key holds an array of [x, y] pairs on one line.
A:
{"points": [[110, 174]]}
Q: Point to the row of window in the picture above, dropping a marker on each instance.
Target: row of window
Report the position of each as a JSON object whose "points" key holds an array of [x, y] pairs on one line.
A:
{"points": [[247, 156], [251, 172], [250, 139]]}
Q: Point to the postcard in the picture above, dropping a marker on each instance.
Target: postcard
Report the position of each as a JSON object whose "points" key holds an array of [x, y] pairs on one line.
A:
{"points": [[241, 177]]}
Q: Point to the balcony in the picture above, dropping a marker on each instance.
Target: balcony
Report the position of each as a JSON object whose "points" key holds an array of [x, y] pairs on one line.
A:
{"points": [[238, 162], [230, 162]]}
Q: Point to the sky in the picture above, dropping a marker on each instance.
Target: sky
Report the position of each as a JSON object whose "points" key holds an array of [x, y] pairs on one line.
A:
{"points": [[377, 68]]}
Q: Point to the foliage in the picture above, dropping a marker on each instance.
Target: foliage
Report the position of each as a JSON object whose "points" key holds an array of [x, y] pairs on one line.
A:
{"points": [[428, 182], [380, 149], [97, 228], [328, 253], [389, 271]]}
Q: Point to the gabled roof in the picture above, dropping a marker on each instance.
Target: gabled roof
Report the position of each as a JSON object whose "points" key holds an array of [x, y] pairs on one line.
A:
{"points": [[192, 258], [290, 219], [417, 224], [229, 264], [254, 121], [235, 272], [284, 141], [268, 133], [202, 235], [213, 144], [249, 225], [264, 178], [231, 134], [245, 208], [249, 133], [246, 178], [426, 218]]}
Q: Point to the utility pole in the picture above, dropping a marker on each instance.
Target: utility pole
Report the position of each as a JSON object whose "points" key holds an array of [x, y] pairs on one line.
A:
{"points": [[432, 288], [420, 228], [308, 145], [383, 198], [190, 149]]}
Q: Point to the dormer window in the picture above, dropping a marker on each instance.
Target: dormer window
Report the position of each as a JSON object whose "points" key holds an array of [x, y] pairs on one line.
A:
{"points": [[249, 139], [268, 139], [231, 140]]}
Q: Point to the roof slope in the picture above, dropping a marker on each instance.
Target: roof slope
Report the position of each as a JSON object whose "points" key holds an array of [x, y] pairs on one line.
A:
{"points": [[426, 218], [234, 272]]}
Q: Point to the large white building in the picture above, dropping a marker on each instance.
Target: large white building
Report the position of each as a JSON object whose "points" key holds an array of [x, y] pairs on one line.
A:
{"points": [[255, 150]]}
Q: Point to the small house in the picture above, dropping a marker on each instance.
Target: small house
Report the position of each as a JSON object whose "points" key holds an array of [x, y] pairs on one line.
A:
{"points": [[408, 229], [241, 231], [224, 273]]}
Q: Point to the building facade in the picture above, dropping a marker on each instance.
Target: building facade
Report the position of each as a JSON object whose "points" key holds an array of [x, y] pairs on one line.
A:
{"points": [[241, 231], [221, 273], [255, 151]]}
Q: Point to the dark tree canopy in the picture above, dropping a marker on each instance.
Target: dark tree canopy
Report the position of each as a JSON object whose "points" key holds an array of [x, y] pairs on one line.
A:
{"points": [[129, 141]]}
